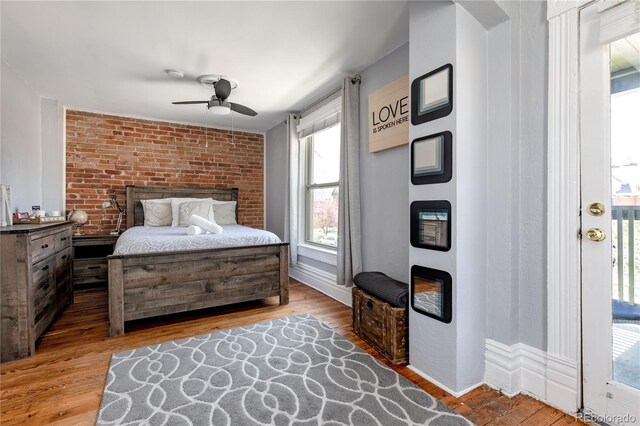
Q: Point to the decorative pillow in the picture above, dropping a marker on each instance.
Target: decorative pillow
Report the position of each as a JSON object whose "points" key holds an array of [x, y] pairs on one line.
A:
{"points": [[201, 208], [224, 212], [175, 203], [157, 212]]}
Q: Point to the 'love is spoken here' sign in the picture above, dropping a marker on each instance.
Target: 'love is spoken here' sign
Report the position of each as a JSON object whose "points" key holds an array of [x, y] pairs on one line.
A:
{"points": [[389, 115]]}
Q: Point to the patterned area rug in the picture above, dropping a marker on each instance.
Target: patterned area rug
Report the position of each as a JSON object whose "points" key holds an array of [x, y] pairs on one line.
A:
{"points": [[293, 370]]}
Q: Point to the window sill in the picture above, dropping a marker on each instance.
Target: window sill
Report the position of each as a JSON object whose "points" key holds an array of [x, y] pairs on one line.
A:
{"points": [[320, 254]]}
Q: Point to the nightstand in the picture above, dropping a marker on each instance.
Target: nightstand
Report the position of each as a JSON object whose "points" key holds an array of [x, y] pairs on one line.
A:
{"points": [[90, 259]]}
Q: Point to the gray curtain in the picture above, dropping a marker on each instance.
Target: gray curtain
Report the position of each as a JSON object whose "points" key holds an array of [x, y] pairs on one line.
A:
{"points": [[291, 208], [349, 238]]}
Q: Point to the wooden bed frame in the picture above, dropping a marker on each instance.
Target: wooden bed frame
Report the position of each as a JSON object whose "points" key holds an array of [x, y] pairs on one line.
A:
{"points": [[153, 284]]}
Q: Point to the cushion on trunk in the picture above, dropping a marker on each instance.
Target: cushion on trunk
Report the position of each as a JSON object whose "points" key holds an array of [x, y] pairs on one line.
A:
{"points": [[394, 292]]}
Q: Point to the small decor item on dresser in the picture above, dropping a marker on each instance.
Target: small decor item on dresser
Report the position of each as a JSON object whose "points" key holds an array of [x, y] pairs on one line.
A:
{"points": [[6, 216], [380, 314], [113, 202], [79, 218]]}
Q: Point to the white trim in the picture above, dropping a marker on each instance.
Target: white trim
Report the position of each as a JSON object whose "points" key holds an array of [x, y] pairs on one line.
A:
{"points": [[163, 120], [520, 368], [316, 253], [563, 204], [440, 385], [559, 7], [322, 281], [618, 20]]}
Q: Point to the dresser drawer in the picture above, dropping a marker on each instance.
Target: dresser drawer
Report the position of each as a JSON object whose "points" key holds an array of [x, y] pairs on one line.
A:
{"points": [[42, 247], [88, 271], [42, 272], [64, 292], [62, 239], [43, 287], [63, 261], [44, 307]]}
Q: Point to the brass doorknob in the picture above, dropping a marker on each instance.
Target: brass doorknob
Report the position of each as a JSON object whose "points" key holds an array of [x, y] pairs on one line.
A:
{"points": [[596, 209], [596, 234]]}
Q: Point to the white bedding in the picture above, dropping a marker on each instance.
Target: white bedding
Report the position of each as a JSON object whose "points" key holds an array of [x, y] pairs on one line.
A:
{"points": [[155, 239]]}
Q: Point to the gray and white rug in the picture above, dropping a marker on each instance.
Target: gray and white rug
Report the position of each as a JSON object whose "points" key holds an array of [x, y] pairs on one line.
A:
{"points": [[293, 370]]}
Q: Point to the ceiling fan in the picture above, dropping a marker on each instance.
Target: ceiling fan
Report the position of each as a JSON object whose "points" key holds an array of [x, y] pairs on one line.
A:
{"points": [[218, 103]]}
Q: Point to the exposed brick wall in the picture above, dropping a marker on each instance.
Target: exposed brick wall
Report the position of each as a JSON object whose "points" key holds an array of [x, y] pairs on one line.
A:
{"points": [[105, 153]]}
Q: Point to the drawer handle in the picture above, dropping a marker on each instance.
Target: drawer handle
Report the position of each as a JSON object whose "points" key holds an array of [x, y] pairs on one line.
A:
{"points": [[64, 256], [93, 267], [63, 239], [149, 268], [44, 246], [369, 304], [44, 268]]}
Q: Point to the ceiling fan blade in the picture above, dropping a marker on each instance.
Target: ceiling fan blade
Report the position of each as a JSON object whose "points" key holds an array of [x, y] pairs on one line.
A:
{"points": [[222, 89], [189, 102], [242, 109]]}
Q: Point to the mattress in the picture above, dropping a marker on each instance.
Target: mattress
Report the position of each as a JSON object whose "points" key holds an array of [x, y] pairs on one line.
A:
{"points": [[158, 239]]}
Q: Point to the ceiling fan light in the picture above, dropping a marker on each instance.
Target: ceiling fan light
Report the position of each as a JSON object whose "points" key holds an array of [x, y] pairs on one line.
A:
{"points": [[220, 109]]}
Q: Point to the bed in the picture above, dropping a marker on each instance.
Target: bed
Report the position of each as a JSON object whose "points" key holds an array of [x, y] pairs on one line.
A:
{"points": [[149, 282]]}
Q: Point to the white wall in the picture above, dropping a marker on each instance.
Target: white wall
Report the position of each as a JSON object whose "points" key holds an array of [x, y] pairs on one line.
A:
{"points": [[20, 145], [471, 200], [432, 43]]}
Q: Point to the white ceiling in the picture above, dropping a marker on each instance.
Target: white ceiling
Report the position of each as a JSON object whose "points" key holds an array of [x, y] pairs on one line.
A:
{"points": [[111, 56]]}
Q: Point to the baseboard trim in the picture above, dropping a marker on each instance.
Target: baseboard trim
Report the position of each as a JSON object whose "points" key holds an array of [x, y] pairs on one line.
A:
{"points": [[440, 385], [520, 368], [322, 281]]}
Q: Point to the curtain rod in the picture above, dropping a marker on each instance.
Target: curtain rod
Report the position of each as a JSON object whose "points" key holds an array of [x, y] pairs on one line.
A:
{"points": [[356, 79]]}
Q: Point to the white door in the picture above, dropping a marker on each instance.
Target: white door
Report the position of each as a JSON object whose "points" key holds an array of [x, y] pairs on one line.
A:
{"points": [[610, 211]]}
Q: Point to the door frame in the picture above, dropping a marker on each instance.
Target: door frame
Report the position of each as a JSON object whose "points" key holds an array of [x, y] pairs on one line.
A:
{"points": [[564, 294], [563, 384]]}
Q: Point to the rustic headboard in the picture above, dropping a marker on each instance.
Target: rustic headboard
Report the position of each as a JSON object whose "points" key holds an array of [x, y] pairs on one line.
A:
{"points": [[135, 213]]}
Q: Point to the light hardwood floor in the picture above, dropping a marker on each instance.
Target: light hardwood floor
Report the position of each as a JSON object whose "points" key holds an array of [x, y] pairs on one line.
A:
{"points": [[62, 384]]}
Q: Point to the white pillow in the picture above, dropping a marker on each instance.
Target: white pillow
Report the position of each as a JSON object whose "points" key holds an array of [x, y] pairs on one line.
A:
{"points": [[224, 212], [201, 208], [157, 212], [175, 202]]}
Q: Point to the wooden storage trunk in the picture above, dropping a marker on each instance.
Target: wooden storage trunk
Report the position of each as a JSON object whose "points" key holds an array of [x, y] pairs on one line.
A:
{"points": [[383, 326]]}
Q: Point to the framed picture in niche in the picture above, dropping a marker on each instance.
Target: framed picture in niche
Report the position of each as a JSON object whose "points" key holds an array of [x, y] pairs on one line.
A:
{"points": [[431, 292], [431, 159], [432, 95], [431, 225]]}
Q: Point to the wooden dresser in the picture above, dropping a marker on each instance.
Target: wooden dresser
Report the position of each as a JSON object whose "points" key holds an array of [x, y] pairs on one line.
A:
{"points": [[36, 283]]}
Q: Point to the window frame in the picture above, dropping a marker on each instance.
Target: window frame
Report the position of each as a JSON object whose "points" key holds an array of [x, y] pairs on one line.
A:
{"points": [[308, 187]]}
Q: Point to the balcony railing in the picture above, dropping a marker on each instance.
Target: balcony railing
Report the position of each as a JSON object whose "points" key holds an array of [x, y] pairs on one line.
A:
{"points": [[626, 240]]}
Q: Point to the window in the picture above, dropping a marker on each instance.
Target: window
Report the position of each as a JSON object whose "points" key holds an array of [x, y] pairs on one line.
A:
{"points": [[322, 175]]}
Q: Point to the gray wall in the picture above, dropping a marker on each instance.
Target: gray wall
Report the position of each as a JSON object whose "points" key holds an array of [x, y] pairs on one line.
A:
{"points": [[20, 144], [275, 153], [534, 65], [53, 150], [516, 257], [384, 181], [516, 170]]}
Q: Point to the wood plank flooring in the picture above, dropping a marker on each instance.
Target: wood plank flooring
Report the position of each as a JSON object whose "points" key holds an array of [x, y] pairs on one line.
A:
{"points": [[62, 384]]}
